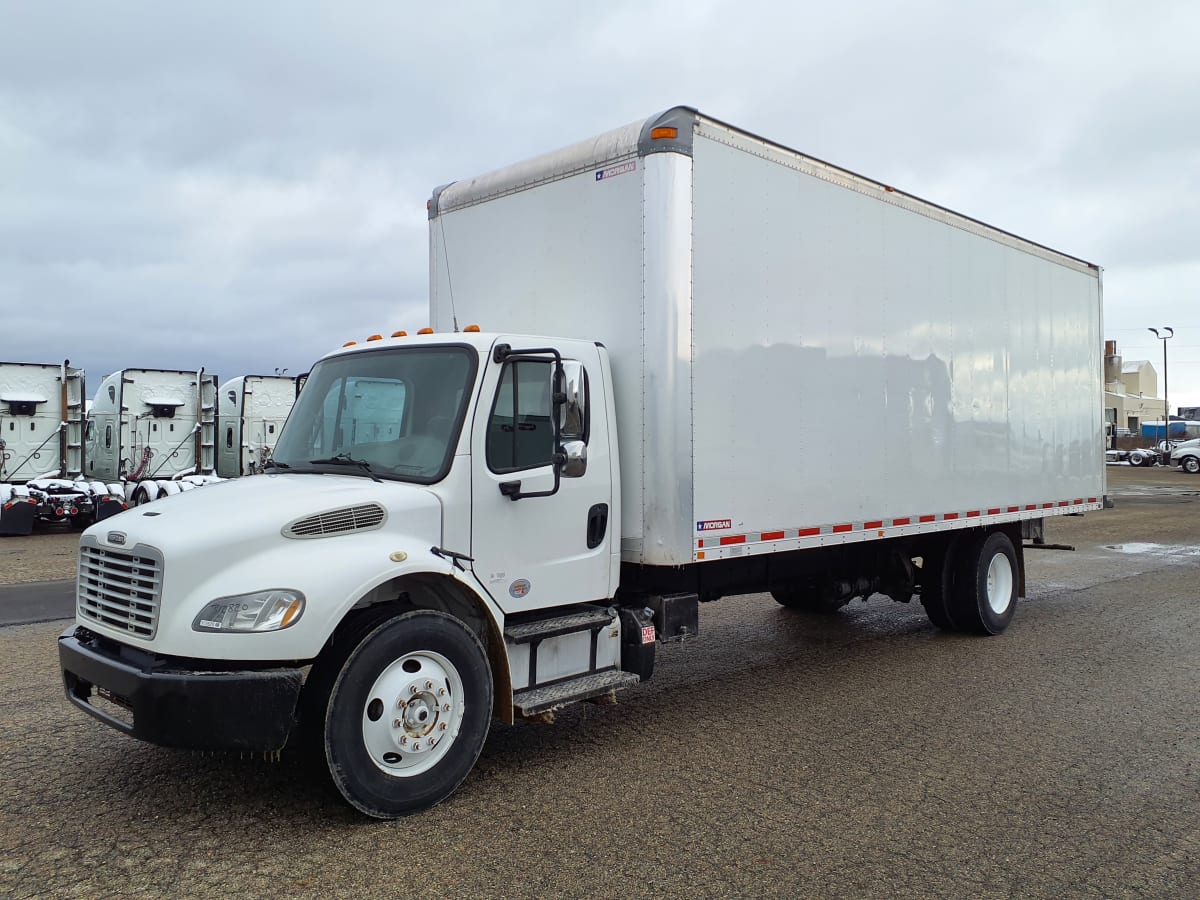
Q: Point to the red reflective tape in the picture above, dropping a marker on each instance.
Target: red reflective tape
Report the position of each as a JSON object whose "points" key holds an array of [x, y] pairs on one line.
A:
{"points": [[901, 521], [1014, 509], [928, 518], [950, 516], [1064, 502], [972, 513], [1091, 499], [1079, 500], [1031, 506], [733, 539], [772, 535], [839, 529], [809, 532], [994, 512], [873, 524]]}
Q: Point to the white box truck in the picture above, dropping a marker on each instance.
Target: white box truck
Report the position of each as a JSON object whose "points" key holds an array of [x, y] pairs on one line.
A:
{"points": [[681, 320], [41, 450], [153, 430], [251, 410]]}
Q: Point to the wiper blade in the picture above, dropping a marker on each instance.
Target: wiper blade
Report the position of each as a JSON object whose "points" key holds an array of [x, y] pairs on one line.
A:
{"points": [[345, 459], [271, 464]]}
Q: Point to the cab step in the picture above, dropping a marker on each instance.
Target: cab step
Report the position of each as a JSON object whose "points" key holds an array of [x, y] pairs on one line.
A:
{"points": [[547, 698], [540, 630]]}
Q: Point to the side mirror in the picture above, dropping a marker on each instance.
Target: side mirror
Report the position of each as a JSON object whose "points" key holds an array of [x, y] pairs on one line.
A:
{"points": [[575, 462], [572, 410]]}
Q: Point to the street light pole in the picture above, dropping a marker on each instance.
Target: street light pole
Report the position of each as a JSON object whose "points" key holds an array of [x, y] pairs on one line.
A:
{"points": [[1170, 333]]}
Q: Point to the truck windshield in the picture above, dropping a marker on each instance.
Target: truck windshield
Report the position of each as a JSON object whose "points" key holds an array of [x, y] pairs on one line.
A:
{"points": [[393, 413]]}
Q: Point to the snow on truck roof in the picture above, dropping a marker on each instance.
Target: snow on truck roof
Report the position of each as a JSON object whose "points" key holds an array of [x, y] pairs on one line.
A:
{"points": [[22, 397]]}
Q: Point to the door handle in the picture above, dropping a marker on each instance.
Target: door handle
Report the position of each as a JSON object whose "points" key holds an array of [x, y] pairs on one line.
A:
{"points": [[597, 525]]}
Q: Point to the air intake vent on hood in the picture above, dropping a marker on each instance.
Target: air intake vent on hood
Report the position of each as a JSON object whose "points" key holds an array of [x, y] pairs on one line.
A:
{"points": [[337, 521]]}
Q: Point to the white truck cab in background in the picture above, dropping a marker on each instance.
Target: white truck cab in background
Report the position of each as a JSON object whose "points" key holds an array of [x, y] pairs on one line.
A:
{"points": [[470, 524], [251, 410]]}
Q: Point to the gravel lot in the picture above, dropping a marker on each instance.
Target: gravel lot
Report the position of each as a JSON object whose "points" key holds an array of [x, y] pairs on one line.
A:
{"points": [[780, 754]]}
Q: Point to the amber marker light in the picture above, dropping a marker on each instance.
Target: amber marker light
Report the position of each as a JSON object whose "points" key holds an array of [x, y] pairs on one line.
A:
{"points": [[471, 328], [425, 331], [292, 613], [375, 337], [399, 334], [350, 344], [664, 133]]}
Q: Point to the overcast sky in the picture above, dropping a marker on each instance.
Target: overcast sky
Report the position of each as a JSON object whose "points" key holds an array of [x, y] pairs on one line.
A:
{"points": [[242, 186]]}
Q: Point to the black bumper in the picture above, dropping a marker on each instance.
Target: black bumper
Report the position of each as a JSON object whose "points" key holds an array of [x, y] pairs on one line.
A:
{"points": [[172, 703]]}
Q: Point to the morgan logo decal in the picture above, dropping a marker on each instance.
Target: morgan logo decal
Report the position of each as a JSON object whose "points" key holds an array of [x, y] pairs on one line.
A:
{"points": [[714, 524], [116, 537], [519, 588], [613, 172]]}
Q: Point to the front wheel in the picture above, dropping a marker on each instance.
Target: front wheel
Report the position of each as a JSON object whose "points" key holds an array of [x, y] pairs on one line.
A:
{"points": [[1191, 465], [408, 714], [985, 586]]}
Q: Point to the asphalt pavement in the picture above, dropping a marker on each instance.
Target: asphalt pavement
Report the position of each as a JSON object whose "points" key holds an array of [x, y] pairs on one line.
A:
{"points": [[780, 754], [45, 601]]}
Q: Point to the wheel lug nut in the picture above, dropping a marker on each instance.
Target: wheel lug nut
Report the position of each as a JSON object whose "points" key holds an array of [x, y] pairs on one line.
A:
{"points": [[443, 726], [417, 746], [396, 723], [433, 742], [441, 692], [446, 708], [428, 685], [402, 704], [413, 689], [404, 740]]}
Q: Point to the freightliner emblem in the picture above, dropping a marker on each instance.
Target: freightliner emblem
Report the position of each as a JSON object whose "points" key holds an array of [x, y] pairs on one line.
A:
{"points": [[116, 537]]}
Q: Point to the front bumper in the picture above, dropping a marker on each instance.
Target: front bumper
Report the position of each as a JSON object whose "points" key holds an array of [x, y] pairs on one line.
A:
{"points": [[175, 703]]}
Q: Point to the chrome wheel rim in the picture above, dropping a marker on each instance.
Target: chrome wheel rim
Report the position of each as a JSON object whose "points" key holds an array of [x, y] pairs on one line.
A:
{"points": [[413, 713]]}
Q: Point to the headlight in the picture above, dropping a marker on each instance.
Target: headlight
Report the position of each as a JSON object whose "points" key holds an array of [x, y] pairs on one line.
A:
{"points": [[259, 611]]}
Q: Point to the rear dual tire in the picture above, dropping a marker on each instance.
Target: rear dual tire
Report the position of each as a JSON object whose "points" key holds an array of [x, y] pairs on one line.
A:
{"points": [[970, 584]]}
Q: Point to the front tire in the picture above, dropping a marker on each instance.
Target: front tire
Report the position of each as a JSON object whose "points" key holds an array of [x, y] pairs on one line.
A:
{"points": [[1190, 464], [408, 714], [984, 596]]}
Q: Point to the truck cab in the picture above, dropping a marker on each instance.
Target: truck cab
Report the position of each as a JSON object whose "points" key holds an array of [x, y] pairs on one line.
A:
{"points": [[453, 492]]}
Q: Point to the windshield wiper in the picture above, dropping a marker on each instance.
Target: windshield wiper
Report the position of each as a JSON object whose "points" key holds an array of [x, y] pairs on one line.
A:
{"points": [[345, 459], [271, 464]]}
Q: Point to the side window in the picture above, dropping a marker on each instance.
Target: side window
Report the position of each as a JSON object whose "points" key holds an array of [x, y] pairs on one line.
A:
{"points": [[519, 433], [107, 437], [91, 430], [229, 438]]}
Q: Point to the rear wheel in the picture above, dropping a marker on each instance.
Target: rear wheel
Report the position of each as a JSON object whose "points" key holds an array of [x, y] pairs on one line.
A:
{"points": [[408, 714], [984, 597], [937, 584]]}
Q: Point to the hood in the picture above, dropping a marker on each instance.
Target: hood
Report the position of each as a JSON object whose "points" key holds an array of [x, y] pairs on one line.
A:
{"points": [[253, 511]]}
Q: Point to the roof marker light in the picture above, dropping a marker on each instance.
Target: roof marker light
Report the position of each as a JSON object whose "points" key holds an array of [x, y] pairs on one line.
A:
{"points": [[399, 334], [664, 133], [350, 344], [375, 337], [471, 328], [425, 331]]}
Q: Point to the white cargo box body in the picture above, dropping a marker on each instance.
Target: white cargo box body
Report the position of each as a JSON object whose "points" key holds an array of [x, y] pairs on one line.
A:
{"points": [[41, 421], [801, 356]]}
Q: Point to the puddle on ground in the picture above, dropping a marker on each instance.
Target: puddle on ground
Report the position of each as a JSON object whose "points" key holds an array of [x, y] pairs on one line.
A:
{"points": [[1155, 549]]}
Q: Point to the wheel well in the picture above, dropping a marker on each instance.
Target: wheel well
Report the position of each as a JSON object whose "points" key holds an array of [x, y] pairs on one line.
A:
{"points": [[437, 592], [950, 541]]}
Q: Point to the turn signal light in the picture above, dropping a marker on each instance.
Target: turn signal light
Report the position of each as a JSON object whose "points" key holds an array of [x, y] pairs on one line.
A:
{"points": [[664, 133], [472, 328], [399, 334], [425, 331]]}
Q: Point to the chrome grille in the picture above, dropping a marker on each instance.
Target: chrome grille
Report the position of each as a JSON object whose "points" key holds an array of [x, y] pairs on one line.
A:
{"points": [[337, 521], [120, 588]]}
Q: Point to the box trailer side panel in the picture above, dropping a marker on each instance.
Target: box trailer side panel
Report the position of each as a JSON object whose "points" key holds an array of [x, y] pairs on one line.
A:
{"points": [[561, 257], [860, 360]]}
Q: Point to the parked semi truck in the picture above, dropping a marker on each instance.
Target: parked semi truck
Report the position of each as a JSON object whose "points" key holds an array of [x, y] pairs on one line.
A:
{"points": [[497, 520], [251, 410], [41, 450], [153, 430]]}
